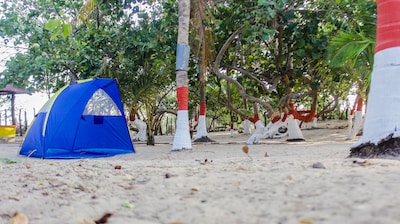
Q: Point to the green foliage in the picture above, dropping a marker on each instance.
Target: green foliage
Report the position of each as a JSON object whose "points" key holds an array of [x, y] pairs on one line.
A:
{"points": [[283, 42], [348, 47], [351, 48]]}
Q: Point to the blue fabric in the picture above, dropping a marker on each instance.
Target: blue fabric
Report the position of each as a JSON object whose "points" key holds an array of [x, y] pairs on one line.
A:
{"points": [[33, 143], [70, 134]]}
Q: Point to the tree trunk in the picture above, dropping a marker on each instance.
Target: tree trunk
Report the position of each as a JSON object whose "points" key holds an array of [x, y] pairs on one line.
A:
{"points": [[150, 122], [245, 121], [381, 133], [201, 134], [182, 135]]}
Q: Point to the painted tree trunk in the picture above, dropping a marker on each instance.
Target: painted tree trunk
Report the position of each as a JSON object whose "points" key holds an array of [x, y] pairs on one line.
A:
{"points": [[182, 138], [355, 128], [150, 122], [201, 134], [246, 122], [294, 132], [382, 118], [246, 126], [258, 132], [142, 130], [272, 129]]}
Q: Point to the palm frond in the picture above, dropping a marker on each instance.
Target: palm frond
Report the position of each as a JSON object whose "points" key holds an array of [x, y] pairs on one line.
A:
{"points": [[347, 48]]}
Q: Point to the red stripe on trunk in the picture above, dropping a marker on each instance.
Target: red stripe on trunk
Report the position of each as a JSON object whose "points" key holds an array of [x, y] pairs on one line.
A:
{"points": [[255, 118], [388, 24], [182, 94], [202, 108], [360, 104]]}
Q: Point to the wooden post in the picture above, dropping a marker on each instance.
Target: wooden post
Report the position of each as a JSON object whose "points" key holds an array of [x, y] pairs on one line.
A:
{"points": [[5, 116]]}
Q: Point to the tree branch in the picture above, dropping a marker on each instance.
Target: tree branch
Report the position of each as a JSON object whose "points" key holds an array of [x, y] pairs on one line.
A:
{"points": [[330, 107], [253, 77], [216, 70]]}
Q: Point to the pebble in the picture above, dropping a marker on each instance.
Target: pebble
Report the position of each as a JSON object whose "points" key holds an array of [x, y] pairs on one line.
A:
{"points": [[318, 165]]}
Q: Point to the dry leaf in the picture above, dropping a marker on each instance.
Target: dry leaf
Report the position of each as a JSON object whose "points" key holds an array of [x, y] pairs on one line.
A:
{"points": [[245, 149], [195, 189], [18, 218], [362, 163], [117, 167], [87, 222], [306, 221], [104, 219]]}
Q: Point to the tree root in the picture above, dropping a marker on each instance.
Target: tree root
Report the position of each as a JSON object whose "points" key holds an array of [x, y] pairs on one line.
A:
{"points": [[388, 147], [204, 139]]}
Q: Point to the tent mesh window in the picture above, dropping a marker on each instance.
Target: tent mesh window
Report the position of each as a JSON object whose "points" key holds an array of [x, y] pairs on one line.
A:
{"points": [[101, 104]]}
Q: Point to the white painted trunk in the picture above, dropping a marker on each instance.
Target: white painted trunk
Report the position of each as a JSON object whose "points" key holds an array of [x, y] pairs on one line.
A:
{"points": [[294, 132], [182, 135], [232, 130], [258, 133], [272, 128], [308, 125], [182, 138], [358, 124], [201, 127], [142, 133], [349, 125], [246, 127], [314, 122], [382, 116]]}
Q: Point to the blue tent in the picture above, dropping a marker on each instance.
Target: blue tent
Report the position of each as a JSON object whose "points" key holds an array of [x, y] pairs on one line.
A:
{"points": [[82, 120]]}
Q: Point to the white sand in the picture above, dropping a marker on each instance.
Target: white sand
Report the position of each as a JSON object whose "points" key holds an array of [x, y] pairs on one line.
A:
{"points": [[229, 188]]}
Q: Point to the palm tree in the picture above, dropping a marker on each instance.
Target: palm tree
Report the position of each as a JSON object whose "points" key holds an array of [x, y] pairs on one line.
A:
{"points": [[203, 48], [182, 135], [354, 51], [382, 120]]}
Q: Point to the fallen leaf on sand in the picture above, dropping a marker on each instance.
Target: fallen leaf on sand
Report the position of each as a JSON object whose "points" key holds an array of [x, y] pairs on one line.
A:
{"points": [[18, 218], [103, 219], [7, 161], [245, 149], [117, 167], [306, 221], [127, 204], [362, 163], [195, 188], [87, 222]]}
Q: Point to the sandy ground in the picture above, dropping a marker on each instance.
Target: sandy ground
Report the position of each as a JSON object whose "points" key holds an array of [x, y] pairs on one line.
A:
{"points": [[297, 182]]}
